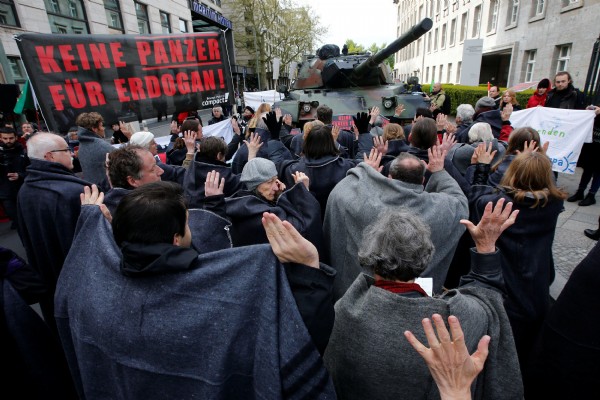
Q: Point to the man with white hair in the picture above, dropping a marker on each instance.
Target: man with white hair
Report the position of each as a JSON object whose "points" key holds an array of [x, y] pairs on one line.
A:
{"points": [[480, 132], [48, 209], [464, 119], [172, 173], [218, 116]]}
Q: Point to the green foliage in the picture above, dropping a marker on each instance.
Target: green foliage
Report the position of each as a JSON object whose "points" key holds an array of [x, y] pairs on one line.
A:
{"points": [[460, 94], [354, 47]]}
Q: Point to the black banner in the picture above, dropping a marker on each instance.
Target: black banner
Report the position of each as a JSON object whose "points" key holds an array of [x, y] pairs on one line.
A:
{"points": [[124, 77]]}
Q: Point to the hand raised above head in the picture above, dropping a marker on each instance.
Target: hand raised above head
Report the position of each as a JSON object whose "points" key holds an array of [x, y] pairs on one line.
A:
{"points": [[495, 220], [436, 159], [93, 196], [373, 159], [213, 185], [362, 122]]}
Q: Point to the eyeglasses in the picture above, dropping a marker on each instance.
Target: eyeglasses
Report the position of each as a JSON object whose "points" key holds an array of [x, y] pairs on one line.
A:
{"points": [[61, 150]]}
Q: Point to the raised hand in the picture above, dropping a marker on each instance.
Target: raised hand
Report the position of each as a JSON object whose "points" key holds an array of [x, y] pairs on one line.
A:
{"points": [[301, 177], [494, 221], [254, 144], [273, 123], [93, 196], [448, 359], [485, 155], [506, 112], [335, 132], [436, 159], [374, 114], [374, 159], [189, 138], [441, 121], [287, 243], [448, 140], [362, 122], [380, 144], [399, 109], [213, 185], [529, 147]]}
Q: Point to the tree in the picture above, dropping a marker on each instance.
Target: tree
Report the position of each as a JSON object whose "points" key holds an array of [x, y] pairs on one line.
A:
{"points": [[353, 47], [265, 29]]}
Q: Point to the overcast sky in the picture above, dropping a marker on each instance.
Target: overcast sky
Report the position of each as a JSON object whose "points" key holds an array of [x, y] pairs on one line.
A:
{"points": [[365, 22]]}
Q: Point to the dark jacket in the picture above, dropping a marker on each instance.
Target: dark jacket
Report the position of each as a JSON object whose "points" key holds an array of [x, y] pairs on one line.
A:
{"points": [[172, 173], [215, 120], [527, 262], [195, 179], [492, 117], [274, 150], [32, 361], [324, 173], [48, 208], [113, 197], [565, 362], [296, 205], [176, 156], [570, 98], [12, 160]]}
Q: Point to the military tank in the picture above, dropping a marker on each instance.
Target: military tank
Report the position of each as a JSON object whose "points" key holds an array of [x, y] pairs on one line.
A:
{"points": [[351, 83]]}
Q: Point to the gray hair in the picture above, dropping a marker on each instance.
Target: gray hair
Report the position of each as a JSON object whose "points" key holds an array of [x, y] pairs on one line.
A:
{"points": [[218, 108], [41, 143], [465, 112], [397, 246], [480, 132], [407, 168]]}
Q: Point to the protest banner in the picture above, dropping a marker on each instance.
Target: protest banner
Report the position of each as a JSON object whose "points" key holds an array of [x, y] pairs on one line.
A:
{"points": [[566, 130], [344, 121], [124, 77]]}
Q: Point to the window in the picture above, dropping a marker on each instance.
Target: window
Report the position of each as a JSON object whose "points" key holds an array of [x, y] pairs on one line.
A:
{"points": [[493, 19], [449, 74], [459, 66], [435, 39], [452, 32], [568, 5], [443, 44], [66, 16], [182, 25], [165, 22], [141, 13], [429, 42], [476, 21], [564, 54], [8, 15], [464, 26], [433, 73], [530, 65], [113, 14], [513, 12], [539, 6], [17, 69], [427, 74], [441, 73]]}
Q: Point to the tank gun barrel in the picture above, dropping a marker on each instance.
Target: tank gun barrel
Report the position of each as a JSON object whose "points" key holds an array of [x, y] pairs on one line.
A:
{"points": [[407, 38]]}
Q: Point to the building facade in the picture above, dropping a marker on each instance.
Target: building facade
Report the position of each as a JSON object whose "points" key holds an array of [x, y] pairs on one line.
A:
{"points": [[523, 40], [99, 17]]}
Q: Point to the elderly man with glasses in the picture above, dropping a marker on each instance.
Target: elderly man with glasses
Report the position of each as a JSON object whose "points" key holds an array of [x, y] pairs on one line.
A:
{"points": [[47, 209]]}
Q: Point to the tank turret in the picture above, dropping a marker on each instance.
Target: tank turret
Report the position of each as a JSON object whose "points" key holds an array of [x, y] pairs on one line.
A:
{"points": [[350, 83]]}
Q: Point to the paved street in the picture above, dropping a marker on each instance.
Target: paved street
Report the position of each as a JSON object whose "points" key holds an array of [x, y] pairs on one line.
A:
{"points": [[570, 244]]}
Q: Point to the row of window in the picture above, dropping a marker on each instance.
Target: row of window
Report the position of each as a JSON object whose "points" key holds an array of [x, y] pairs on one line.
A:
{"points": [[445, 36], [562, 57], [68, 16]]}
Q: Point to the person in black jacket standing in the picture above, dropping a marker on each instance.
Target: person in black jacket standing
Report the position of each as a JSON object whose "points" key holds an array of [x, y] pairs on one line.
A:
{"points": [[13, 162]]}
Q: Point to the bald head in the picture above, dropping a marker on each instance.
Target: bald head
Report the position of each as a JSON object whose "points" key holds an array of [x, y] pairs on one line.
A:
{"points": [[407, 168]]}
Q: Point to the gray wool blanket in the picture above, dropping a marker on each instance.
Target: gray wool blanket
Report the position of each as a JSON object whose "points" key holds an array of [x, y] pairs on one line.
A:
{"points": [[227, 329]]}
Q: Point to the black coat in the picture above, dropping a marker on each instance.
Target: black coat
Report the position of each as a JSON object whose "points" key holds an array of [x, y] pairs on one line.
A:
{"points": [[12, 160], [48, 207], [296, 205], [195, 179], [172, 173], [527, 262], [324, 173]]}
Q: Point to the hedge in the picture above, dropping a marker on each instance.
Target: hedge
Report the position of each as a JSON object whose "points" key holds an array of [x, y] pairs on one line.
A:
{"points": [[460, 94]]}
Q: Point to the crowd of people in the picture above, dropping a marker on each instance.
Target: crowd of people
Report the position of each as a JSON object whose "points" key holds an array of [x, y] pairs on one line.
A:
{"points": [[313, 265]]}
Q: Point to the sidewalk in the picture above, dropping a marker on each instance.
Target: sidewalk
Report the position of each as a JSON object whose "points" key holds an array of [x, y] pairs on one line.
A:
{"points": [[570, 244]]}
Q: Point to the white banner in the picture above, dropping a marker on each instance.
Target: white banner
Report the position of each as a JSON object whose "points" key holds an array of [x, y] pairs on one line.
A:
{"points": [[254, 99], [221, 129], [276, 64], [566, 130]]}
